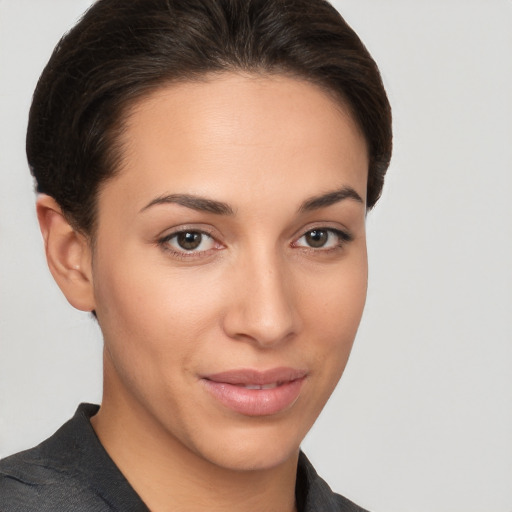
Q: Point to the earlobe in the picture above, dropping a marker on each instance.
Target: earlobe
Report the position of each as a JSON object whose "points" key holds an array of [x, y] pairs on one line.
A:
{"points": [[68, 254]]}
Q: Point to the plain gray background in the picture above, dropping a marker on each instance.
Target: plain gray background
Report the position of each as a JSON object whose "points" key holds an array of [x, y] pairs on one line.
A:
{"points": [[422, 421]]}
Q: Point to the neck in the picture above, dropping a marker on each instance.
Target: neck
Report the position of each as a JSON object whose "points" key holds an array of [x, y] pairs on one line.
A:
{"points": [[169, 476]]}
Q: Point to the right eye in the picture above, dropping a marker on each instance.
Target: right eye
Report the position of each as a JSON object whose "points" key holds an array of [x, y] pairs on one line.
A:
{"points": [[188, 241]]}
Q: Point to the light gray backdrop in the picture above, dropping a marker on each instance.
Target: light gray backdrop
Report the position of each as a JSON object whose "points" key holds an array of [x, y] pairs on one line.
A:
{"points": [[422, 421]]}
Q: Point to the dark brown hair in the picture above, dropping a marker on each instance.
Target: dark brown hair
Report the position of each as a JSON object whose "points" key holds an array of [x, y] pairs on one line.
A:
{"points": [[123, 49]]}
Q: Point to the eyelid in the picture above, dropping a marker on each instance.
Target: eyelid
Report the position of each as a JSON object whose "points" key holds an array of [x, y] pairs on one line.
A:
{"points": [[344, 236], [179, 228], [162, 241]]}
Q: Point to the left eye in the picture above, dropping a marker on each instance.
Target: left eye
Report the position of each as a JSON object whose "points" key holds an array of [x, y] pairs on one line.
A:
{"points": [[322, 238], [190, 241]]}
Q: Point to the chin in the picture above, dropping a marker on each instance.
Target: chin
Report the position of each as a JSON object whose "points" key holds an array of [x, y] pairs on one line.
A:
{"points": [[252, 448], [255, 459]]}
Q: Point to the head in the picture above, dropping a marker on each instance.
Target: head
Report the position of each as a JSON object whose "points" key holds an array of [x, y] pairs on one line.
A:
{"points": [[122, 51], [207, 166]]}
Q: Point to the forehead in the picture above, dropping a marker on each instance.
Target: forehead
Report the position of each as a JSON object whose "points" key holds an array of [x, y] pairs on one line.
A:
{"points": [[235, 97], [232, 133]]}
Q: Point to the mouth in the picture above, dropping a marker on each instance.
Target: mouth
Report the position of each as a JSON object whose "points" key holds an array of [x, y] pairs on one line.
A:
{"points": [[256, 393], [262, 386]]}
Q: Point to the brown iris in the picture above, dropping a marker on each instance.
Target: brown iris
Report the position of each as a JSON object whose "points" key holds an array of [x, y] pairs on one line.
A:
{"points": [[316, 237], [189, 240]]}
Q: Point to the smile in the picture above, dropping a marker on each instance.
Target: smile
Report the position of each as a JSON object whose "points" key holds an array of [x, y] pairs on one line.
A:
{"points": [[255, 393], [262, 386]]}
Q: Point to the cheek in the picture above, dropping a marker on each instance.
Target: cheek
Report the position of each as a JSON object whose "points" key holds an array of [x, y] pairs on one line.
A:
{"points": [[157, 315], [333, 315], [337, 297], [151, 323], [148, 313]]}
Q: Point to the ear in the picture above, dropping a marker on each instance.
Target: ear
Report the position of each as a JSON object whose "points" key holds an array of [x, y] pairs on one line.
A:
{"points": [[68, 254]]}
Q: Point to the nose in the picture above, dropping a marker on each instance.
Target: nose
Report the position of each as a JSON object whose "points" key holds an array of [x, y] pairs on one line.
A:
{"points": [[263, 305]]}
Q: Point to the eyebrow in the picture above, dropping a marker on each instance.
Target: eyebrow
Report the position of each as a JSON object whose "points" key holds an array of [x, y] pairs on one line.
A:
{"points": [[218, 207], [330, 198], [194, 202]]}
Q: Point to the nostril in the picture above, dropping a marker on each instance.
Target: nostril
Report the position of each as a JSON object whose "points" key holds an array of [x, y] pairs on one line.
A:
{"points": [[262, 305]]}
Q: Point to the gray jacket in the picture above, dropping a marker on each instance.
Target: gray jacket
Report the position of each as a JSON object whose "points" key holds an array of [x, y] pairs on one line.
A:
{"points": [[71, 472]]}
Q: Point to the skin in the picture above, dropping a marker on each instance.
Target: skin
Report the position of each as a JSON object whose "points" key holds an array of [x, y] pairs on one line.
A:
{"points": [[254, 294]]}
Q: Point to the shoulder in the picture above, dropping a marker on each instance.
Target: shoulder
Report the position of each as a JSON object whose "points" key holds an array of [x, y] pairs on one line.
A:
{"points": [[313, 493], [30, 481], [66, 472]]}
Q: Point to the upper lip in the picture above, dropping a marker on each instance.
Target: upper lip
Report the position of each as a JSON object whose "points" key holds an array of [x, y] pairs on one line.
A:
{"points": [[248, 376]]}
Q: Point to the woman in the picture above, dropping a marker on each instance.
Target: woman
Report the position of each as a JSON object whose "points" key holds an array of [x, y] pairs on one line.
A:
{"points": [[205, 169]]}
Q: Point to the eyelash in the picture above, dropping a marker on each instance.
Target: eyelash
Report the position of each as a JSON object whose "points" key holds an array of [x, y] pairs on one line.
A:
{"points": [[164, 243], [342, 238]]}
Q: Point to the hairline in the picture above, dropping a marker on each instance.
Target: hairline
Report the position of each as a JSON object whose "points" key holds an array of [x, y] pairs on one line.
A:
{"points": [[128, 105]]}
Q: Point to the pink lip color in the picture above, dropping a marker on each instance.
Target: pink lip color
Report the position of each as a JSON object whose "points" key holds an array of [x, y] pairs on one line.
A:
{"points": [[229, 388]]}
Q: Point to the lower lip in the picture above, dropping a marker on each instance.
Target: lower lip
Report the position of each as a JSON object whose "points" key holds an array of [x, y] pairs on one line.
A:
{"points": [[255, 402]]}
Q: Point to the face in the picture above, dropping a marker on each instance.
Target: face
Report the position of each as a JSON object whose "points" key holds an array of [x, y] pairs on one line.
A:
{"points": [[229, 268]]}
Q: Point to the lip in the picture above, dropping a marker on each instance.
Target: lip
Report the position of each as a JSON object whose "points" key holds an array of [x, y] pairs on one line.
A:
{"points": [[256, 393]]}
